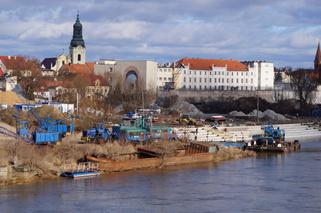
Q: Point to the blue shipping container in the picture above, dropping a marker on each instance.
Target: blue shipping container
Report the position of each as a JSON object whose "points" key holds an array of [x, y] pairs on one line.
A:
{"points": [[46, 137]]}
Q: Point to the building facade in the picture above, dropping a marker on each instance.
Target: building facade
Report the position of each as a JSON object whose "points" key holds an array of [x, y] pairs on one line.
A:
{"points": [[129, 74], [165, 74], [214, 74]]}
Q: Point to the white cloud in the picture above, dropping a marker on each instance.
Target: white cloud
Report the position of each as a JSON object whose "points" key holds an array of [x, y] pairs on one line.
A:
{"points": [[241, 29]]}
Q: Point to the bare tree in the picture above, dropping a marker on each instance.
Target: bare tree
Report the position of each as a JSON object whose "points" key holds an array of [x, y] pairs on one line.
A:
{"points": [[303, 82]]}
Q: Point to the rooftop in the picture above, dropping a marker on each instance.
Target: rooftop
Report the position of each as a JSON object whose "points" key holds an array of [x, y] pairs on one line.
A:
{"points": [[207, 64]]}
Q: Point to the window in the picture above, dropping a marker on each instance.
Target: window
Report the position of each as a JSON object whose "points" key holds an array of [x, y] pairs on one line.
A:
{"points": [[222, 80], [215, 73], [190, 80], [195, 87], [226, 80], [245, 80], [63, 62], [251, 80], [237, 80], [165, 78], [232, 80], [184, 72], [160, 78], [215, 87], [210, 73], [79, 57], [232, 73], [184, 79], [205, 80], [194, 80], [205, 87], [242, 81], [210, 80], [190, 87], [190, 72], [200, 87], [215, 80], [219, 80], [210, 87], [200, 80]]}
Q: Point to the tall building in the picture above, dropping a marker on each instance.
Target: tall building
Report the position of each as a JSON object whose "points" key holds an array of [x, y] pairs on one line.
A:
{"points": [[77, 45]]}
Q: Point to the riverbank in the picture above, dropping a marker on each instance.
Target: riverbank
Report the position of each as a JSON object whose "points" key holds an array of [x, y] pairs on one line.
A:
{"points": [[32, 172]]}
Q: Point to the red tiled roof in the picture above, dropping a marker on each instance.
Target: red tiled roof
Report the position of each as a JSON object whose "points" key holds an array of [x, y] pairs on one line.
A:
{"points": [[87, 68], [9, 61], [206, 64]]}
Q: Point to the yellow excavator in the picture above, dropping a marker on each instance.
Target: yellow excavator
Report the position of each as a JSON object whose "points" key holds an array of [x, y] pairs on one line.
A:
{"points": [[185, 119]]}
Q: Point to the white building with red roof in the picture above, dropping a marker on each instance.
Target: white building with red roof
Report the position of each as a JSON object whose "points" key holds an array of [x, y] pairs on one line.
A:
{"points": [[217, 74]]}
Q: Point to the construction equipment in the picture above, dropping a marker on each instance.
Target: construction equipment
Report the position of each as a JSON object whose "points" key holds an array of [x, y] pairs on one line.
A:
{"points": [[55, 125], [39, 136], [276, 134], [97, 134], [49, 131], [185, 119], [271, 135]]}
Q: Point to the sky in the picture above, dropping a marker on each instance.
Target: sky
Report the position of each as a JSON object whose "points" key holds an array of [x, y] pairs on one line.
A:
{"points": [[285, 32]]}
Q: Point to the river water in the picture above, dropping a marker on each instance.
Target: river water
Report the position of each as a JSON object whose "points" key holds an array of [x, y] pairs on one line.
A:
{"points": [[266, 183]]}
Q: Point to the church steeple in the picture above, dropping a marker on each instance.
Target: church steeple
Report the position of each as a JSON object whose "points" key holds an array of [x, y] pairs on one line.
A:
{"points": [[317, 60], [77, 45], [77, 38]]}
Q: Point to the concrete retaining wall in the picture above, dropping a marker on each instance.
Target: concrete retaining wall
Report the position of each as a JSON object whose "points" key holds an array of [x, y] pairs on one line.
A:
{"points": [[215, 95]]}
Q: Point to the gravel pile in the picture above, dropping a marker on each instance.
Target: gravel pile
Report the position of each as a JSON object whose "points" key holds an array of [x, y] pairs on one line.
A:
{"points": [[270, 114], [184, 107], [237, 114]]}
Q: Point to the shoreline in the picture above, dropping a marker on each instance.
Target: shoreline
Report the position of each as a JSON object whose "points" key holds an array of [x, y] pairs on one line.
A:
{"points": [[157, 164]]}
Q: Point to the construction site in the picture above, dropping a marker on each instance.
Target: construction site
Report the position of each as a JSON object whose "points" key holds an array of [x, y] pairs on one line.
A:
{"points": [[43, 142]]}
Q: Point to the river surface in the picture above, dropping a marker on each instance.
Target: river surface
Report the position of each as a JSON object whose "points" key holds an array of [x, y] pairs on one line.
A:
{"points": [[266, 183]]}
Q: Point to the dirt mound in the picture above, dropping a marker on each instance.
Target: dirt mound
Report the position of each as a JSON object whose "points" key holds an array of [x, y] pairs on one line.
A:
{"points": [[269, 114], [274, 116], [237, 114], [184, 107]]}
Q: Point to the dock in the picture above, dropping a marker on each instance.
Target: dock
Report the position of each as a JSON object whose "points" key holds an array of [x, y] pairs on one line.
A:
{"points": [[81, 170]]}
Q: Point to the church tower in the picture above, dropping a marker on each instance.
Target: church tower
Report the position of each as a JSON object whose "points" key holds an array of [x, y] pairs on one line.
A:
{"points": [[317, 60], [77, 45]]}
